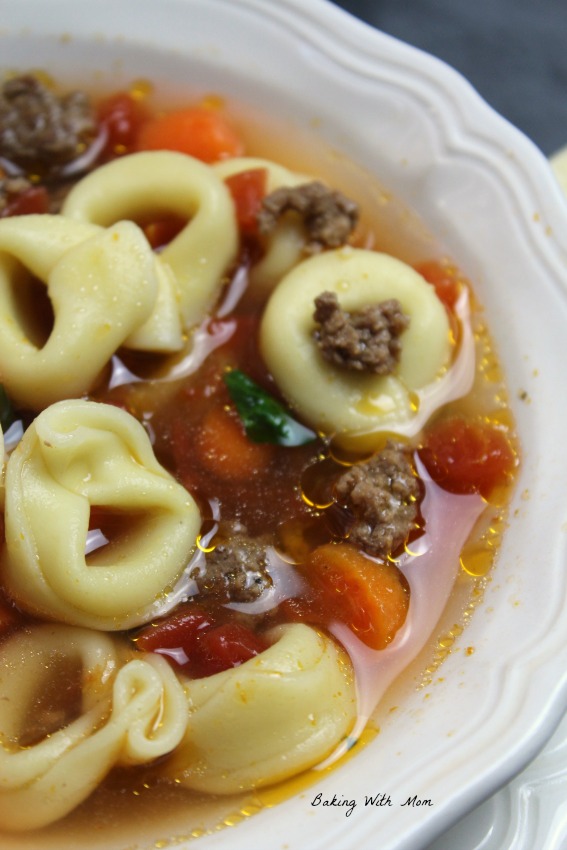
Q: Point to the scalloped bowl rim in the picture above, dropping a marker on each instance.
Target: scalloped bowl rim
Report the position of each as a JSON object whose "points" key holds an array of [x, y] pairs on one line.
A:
{"points": [[491, 194]]}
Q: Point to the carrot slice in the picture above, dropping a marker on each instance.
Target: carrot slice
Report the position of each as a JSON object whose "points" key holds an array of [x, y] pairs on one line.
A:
{"points": [[199, 131], [225, 450], [371, 597], [445, 278]]}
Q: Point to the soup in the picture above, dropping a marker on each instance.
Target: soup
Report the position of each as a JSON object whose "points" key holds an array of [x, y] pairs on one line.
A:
{"points": [[252, 430]]}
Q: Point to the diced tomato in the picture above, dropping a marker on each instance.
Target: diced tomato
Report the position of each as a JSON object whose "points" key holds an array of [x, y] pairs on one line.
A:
{"points": [[160, 233], [178, 630], [468, 457], [446, 279], [226, 646], [202, 132], [248, 189], [121, 115], [192, 640], [370, 597], [29, 202]]}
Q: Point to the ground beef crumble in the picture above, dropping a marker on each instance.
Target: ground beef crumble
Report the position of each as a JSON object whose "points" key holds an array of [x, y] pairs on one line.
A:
{"points": [[365, 340], [236, 570], [38, 126], [383, 495], [329, 217]]}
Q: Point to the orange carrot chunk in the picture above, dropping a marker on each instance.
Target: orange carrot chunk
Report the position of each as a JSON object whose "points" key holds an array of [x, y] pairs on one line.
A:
{"points": [[446, 280], [199, 131], [224, 449], [371, 597]]}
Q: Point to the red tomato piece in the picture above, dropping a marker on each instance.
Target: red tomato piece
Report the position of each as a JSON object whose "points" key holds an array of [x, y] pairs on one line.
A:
{"points": [[468, 457], [192, 641], [199, 131], [160, 233], [31, 201], [226, 646], [122, 116], [312, 608], [180, 630], [248, 190]]}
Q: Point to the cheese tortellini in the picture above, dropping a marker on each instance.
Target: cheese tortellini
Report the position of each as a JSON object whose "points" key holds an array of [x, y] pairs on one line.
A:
{"points": [[354, 407], [274, 716], [102, 285], [108, 289], [129, 712], [191, 267], [77, 455]]}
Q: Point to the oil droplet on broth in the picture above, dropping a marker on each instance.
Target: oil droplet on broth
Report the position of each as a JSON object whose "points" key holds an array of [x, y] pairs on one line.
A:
{"points": [[205, 540], [443, 648], [375, 405], [140, 89], [317, 483], [477, 560], [414, 401], [446, 641]]}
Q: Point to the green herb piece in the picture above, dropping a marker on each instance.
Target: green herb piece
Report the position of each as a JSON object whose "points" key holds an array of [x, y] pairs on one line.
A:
{"points": [[7, 415], [265, 419]]}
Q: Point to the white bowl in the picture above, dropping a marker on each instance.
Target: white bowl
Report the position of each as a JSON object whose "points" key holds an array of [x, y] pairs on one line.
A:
{"points": [[490, 197]]}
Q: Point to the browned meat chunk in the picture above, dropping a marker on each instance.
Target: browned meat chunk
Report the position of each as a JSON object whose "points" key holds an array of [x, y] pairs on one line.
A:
{"points": [[39, 127], [236, 570], [382, 494], [329, 217], [367, 340]]}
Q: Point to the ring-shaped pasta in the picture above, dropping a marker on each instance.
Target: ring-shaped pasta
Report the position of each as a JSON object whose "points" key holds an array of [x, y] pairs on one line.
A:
{"points": [[127, 714], [279, 713], [285, 245], [102, 286], [354, 407], [146, 186], [82, 454]]}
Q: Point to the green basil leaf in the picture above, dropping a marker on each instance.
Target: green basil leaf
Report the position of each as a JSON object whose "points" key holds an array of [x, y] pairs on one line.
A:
{"points": [[265, 419]]}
